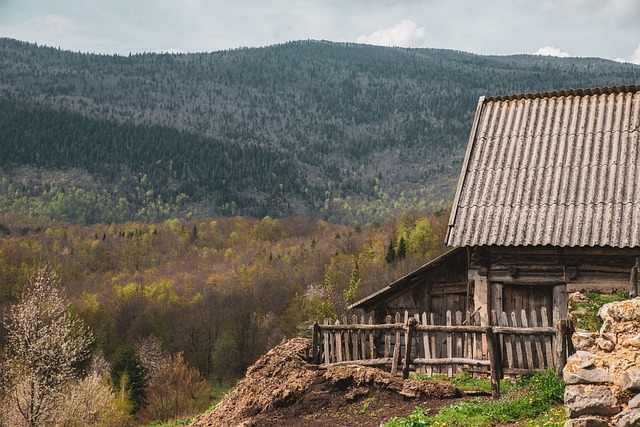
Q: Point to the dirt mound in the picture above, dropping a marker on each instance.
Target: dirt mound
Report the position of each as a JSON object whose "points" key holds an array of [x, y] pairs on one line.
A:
{"points": [[282, 389]]}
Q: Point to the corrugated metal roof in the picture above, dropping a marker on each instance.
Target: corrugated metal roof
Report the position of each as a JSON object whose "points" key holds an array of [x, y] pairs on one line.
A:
{"points": [[559, 169]]}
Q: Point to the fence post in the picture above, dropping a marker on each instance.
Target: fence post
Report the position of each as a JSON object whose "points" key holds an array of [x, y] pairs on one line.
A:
{"points": [[408, 337], [561, 346], [315, 349], [495, 358]]}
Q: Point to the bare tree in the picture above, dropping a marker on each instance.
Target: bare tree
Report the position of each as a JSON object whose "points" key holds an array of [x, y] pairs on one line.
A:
{"points": [[45, 343]]}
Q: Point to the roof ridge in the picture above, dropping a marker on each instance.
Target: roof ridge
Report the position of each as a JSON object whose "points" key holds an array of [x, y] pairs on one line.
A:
{"points": [[607, 90], [529, 205], [572, 132]]}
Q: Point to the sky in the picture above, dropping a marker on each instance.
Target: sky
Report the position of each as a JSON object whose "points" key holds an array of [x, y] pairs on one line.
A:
{"points": [[579, 28]]}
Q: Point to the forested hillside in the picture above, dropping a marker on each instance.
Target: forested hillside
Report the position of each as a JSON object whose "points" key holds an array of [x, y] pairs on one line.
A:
{"points": [[344, 132], [220, 292]]}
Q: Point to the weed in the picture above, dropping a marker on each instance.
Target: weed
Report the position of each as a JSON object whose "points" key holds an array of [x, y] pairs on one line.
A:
{"points": [[366, 403], [588, 319], [465, 382], [528, 400]]}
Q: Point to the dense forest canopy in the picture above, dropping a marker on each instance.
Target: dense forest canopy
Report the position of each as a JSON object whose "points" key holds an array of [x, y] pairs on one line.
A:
{"points": [[345, 132]]}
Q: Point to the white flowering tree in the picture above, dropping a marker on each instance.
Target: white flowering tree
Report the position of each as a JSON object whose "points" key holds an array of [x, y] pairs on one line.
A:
{"points": [[44, 346]]}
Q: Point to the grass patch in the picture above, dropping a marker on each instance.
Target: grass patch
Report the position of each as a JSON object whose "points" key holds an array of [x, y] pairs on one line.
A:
{"points": [[588, 319], [530, 400], [465, 382]]}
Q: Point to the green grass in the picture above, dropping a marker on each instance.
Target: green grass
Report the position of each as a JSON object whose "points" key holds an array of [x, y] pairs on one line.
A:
{"points": [[531, 400], [589, 320], [465, 382]]}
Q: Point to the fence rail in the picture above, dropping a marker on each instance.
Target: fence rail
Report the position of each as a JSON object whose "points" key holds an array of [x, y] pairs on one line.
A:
{"points": [[507, 345]]}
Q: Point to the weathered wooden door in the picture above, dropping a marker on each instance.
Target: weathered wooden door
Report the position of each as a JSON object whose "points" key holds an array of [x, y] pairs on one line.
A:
{"points": [[516, 298], [440, 304]]}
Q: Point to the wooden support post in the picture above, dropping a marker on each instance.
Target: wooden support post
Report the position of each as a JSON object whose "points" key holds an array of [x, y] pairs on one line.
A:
{"points": [[408, 337], [315, 348], [493, 347], [561, 346], [328, 345]]}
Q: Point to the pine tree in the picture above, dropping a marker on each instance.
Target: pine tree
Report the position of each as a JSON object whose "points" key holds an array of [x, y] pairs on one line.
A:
{"points": [[390, 257], [401, 252]]}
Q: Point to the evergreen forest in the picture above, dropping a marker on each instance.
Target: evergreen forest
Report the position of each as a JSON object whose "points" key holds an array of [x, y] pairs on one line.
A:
{"points": [[342, 132]]}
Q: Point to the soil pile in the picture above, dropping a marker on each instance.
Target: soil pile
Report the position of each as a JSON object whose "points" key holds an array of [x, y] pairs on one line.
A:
{"points": [[282, 389]]}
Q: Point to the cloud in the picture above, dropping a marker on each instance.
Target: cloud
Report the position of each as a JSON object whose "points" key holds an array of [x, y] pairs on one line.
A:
{"points": [[405, 33], [551, 51], [635, 58]]}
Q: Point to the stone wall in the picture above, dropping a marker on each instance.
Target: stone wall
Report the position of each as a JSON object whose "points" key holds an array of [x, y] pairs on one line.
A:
{"points": [[603, 376]]}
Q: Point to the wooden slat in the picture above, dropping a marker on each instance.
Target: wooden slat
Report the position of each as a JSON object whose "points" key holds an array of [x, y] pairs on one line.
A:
{"points": [[368, 362], [426, 344], [362, 335], [387, 340], [372, 342], [449, 345], [325, 346], [517, 341], [432, 338], [396, 349], [527, 341], [338, 337], [346, 335], [537, 342], [548, 340], [507, 344], [459, 350], [332, 347], [478, 337], [468, 338], [451, 361]]}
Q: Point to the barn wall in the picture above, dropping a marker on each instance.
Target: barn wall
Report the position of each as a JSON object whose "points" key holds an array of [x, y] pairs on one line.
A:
{"points": [[534, 277], [441, 288]]}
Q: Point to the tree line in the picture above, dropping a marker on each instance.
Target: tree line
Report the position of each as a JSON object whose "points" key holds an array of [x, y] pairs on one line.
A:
{"points": [[198, 299]]}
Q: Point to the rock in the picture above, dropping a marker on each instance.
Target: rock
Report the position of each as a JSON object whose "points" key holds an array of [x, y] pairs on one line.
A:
{"points": [[587, 422], [630, 380], [621, 311], [633, 342], [583, 341], [590, 400], [577, 297], [580, 369], [635, 402], [605, 344], [581, 360], [587, 376], [627, 418]]}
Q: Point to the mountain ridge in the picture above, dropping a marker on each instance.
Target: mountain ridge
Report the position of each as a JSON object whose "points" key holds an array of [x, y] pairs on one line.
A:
{"points": [[345, 132]]}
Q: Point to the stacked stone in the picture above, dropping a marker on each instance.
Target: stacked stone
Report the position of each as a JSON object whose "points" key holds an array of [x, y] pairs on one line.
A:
{"points": [[603, 377]]}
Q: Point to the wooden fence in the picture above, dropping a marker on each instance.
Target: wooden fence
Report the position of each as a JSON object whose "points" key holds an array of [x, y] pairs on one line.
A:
{"points": [[508, 345]]}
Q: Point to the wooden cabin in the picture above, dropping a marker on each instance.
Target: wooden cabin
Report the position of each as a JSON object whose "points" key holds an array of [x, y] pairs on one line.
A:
{"points": [[436, 287], [547, 203]]}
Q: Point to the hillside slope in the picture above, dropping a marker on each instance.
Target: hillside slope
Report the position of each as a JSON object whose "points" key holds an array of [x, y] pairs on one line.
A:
{"points": [[340, 131]]}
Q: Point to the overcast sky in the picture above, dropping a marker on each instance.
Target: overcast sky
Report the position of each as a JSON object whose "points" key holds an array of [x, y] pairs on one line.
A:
{"points": [[585, 28]]}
